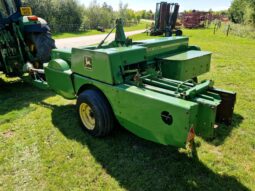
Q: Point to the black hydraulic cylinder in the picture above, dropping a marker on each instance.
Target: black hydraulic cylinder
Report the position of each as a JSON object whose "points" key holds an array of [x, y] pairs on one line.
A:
{"points": [[163, 14], [165, 18], [174, 16]]}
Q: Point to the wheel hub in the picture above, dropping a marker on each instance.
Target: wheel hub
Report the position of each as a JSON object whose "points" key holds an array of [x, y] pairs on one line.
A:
{"points": [[87, 116]]}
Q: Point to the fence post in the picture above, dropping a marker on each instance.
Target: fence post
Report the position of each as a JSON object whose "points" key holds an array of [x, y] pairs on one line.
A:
{"points": [[228, 30], [215, 28]]}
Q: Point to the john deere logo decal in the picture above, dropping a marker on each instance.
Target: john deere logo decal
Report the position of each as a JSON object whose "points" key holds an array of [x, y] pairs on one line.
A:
{"points": [[88, 62]]}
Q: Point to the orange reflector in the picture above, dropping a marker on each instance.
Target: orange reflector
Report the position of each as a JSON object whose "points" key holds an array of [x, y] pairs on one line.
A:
{"points": [[32, 18], [191, 135]]}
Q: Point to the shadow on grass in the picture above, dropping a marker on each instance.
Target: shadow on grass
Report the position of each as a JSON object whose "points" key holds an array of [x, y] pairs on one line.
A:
{"points": [[142, 165], [16, 95], [224, 131]]}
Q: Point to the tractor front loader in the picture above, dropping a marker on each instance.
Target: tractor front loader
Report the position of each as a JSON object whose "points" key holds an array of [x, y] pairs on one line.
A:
{"points": [[25, 39]]}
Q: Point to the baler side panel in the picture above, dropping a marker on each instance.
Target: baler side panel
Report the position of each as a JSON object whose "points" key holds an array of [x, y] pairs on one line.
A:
{"points": [[106, 64], [206, 121], [59, 78], [92, 65], [164, 46], [140, 111], [186, 65], [64, 54]]}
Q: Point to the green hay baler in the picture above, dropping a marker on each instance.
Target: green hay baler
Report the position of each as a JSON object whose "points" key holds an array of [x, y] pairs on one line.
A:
{"points": [[149, 87]]}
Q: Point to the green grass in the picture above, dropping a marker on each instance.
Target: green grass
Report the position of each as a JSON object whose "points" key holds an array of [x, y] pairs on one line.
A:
{"points": [[142, 25], [246, 31], [43, 147]]}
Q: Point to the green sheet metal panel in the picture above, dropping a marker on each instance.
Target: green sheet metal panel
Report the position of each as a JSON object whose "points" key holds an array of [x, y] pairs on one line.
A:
{"points": [[64, 54], [58, 75], [129, 55], [122, 56], [105, 64], [92, 64], [145, 119], [206, 121], [186, 65], [166, 45]]}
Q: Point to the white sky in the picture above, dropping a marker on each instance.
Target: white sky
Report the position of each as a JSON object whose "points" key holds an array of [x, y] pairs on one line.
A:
{"points": [[185, 4]]}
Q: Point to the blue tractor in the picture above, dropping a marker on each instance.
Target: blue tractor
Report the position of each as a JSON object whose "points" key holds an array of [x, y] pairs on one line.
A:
{"points": [[24, 38]]}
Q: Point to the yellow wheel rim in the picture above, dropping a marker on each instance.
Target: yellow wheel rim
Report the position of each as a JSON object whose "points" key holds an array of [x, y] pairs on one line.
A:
{"points": [[87, 116]]}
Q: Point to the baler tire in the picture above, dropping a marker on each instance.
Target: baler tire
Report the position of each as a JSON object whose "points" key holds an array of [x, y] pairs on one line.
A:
{"points": [[101, 111], [43, 43]]}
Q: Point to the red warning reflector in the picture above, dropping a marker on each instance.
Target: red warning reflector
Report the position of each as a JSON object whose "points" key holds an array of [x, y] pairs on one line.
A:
{"points": [[32, 18], [191, 135]]}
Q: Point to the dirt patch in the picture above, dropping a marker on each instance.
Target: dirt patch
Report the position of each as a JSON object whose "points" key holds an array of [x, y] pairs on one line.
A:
{"points": [[8, 134]]}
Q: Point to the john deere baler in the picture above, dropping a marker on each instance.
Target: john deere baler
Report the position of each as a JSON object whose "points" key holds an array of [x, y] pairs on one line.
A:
{"points": [[150, 87]]}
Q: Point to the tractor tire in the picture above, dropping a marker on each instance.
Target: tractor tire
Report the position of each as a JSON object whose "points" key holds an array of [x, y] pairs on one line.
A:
{"points": [[43, 44], [95, 113]]}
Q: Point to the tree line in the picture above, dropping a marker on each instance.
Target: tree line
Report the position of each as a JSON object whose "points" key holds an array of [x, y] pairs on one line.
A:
{"points": [[242, 11], [70, 13]]}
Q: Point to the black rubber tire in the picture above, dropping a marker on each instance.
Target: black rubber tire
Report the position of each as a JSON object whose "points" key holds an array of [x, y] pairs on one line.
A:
{"points": [[103, 114], [178, 32], [43, 43]]}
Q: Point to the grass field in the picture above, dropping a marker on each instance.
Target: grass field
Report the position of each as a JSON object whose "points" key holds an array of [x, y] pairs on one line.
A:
{"points": [[142, 25], [43, 147]]}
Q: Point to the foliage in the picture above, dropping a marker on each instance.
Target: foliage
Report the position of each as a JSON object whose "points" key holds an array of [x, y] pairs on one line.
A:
{"points": [[43, 147], [245, 31], [97, 15], [70, 15], [145, 14], [141, 26], [57, 11], [104, 15], [242, 11]]}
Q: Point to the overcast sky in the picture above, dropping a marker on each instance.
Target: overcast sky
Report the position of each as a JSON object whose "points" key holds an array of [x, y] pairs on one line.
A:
{"points": [[151, 4]]}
